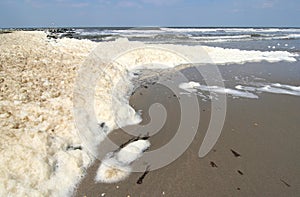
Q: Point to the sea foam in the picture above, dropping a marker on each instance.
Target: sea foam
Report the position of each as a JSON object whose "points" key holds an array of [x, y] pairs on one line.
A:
{"points": [[116, 165]]}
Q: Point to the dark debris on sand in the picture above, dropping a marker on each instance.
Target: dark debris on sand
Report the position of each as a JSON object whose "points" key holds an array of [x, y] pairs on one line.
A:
{"points": [[140, 180], [285, 183], [213, 164], [236, 154], [240, 172]]}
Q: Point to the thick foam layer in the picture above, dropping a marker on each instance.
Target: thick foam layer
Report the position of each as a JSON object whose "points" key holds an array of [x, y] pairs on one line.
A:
{"points": [[40, 151]]}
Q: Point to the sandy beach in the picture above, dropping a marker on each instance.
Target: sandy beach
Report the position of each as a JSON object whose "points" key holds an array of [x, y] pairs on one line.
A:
{"points": [[256, 155], [41, 153]]}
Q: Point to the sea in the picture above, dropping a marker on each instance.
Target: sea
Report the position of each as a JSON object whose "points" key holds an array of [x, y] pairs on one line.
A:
{"points": [[250, 38]]}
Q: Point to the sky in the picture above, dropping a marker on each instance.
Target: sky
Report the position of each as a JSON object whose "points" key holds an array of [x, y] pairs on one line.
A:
{"points": [[137, 13]]}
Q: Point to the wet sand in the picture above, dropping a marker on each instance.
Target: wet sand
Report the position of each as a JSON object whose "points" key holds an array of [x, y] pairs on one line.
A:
{"points": [[257, 154]]}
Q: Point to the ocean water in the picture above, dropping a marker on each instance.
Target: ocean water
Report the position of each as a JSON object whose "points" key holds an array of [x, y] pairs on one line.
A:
{"points": [[263, 39]]}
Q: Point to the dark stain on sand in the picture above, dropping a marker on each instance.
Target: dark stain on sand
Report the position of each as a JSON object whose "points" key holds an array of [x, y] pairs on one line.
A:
{"points": [[213, 164], [140, 180], [236, 154], [285, 183], [240, 172]]}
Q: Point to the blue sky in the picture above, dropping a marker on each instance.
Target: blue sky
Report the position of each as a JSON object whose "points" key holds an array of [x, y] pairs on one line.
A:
{"points": [[49, 13]]}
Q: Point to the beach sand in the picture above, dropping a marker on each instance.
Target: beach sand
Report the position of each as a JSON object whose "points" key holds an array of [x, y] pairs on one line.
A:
{"points": [[257, 153]]}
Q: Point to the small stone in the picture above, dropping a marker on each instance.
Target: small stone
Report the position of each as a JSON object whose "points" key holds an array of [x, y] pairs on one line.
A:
{"points": [[256, 124], [117, 187], [103, 194], [163, 193]]}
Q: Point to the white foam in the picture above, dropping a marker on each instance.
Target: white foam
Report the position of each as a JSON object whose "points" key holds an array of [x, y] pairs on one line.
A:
{"points": [[37, 158], [189, 85], [242, 91], [116, 167], [275, 88], [215, 89], [111, 171], [225, 56], [132, 151], [295, 88], [271, 89], [213, 39], [232, 30]]}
